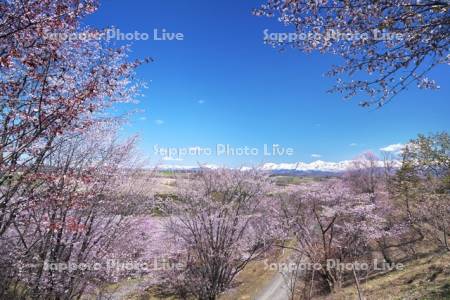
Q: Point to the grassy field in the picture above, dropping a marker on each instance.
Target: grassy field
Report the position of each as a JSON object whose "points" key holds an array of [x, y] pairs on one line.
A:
{"points": [[426, 278]]}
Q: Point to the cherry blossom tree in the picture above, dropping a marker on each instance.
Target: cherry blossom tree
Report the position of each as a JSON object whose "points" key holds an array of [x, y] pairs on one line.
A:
{"points": [[59, 160], [329, 222], [365, 173], [386, 45], [371, 176], [72, 217], [222, 224], [49, 85]]}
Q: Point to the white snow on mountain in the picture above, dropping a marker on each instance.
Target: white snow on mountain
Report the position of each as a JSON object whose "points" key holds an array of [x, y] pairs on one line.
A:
{"points": [[318, 165]]}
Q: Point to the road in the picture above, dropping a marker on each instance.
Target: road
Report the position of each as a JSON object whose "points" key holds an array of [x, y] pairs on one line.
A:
{"points": [[275, 290]]}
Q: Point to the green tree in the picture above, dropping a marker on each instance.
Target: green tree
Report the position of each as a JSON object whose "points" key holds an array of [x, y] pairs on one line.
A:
{"points": [[423, 185]]}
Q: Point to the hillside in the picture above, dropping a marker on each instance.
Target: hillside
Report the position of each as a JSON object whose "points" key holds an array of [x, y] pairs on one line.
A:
{"points": [[425, 278]]}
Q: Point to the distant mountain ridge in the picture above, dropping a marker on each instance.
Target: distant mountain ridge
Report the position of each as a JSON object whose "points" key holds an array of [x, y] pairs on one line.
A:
{"points": [[318, 167]]}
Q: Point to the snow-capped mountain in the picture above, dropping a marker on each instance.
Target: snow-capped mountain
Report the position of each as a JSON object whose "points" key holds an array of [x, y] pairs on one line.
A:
{"points": [[315, 166]]}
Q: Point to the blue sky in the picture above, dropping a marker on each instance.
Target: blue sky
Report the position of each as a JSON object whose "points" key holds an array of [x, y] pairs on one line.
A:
{"points": [[222, 85]]}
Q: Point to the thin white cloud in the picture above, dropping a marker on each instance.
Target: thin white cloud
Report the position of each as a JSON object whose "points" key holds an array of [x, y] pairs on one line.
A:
{"points": [[143, 118], [396, 148], [201, 101], [159, 122], [353, 145], [314, 155]]}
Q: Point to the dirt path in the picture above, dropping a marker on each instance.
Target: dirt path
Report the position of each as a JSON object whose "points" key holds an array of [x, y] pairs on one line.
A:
{"points": [[275, 290]]}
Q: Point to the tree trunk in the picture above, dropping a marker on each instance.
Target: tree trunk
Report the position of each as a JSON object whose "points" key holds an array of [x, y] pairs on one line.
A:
{"points": [[360, 297]]}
